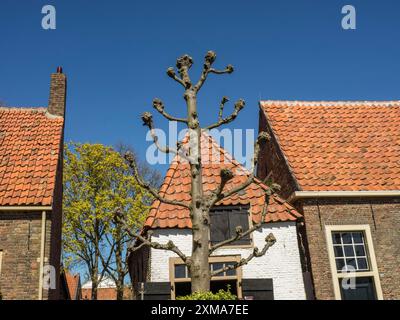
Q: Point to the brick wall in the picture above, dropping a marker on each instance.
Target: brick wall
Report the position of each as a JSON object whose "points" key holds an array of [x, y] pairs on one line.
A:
{"points": [[272, 162], [20, 239], [383, 217], [20, 242]]}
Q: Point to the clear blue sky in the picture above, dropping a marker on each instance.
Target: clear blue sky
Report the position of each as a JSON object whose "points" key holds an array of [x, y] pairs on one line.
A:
{"points": [[115, 54]]}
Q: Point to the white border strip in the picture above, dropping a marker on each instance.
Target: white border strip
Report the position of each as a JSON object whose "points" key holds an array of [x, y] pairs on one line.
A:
{"points": [[25, 208], [342, 194]]}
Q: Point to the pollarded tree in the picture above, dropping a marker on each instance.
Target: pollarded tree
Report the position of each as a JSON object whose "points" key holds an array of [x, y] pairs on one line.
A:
{"points": [[201, 202]]}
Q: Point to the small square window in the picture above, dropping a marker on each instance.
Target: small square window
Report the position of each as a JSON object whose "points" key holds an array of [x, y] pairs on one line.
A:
{"points": [[358, 237], [336, 239], [180, 271], [346, 238], [360, 251], [231, 272], [362, 263], [351, 264], [338, 251], [218, 266], [349, 250], [340, 264]]}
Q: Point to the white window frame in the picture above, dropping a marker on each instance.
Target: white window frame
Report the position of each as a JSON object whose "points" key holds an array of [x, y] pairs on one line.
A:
{"points": [[214, 259], [1, 259], [370, 252]]}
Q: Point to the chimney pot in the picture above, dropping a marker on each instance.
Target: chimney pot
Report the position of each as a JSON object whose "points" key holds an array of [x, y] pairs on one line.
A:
{"points": [[59, 69]]}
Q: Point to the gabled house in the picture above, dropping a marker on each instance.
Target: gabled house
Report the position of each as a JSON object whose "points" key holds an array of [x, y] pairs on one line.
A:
{"points": [[106, 290], [339, 164], [276, 275], [31, 148], [74, 287]]}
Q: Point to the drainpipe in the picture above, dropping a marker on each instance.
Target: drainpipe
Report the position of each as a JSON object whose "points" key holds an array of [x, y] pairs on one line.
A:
{"points": [[41, 262]]}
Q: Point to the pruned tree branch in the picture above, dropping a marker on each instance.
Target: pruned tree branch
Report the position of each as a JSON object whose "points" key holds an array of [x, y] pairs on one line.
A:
{"points": [[169, 246], [269, 241], [183, 64], [228, 69], [221, 107], [147, 119], [132, 164], [171, 73], [239, 105], [219, 194], [159, 106], [208, 61]]}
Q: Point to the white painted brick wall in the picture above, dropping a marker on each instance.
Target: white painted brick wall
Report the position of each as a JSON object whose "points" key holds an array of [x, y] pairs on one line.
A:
{"points": [[281, 262]]}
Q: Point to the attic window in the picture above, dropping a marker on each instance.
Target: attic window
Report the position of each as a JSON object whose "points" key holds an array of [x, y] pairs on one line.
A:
{"points": [[225, 220]]}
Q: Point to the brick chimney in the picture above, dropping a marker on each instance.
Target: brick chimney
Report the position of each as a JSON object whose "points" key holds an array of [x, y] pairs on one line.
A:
{"points": [[58, 93]]}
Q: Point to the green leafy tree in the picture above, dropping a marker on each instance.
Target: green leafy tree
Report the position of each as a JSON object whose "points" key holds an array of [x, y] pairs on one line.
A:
{"points": [[99, 188]]}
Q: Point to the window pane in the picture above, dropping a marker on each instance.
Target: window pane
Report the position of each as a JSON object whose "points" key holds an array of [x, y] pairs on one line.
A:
{"points": [[338, 251], [360, 250], [336, 238], [219, 229], [363, 289], [217, 266], [358, 237], [349, 251], [231, 272], [340, 264], [239, 217], [362, 264], [346, 238], [351, 263], [180, 271]]}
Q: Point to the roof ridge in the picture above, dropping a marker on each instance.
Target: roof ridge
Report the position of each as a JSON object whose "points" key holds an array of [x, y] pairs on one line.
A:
{"points": [[22, 108], [366, 103]]}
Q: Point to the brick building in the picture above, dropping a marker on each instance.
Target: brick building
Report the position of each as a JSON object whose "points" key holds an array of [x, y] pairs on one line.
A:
{"points": [[31, 144], [339, 164]]}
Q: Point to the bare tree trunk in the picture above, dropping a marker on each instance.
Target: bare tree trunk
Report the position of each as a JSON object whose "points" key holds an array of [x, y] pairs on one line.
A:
{"points": [[199, 268], [119, 264], [95, 271], [94, 278]]}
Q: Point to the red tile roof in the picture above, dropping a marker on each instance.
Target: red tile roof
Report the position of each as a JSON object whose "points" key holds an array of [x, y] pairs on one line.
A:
{"points": [[29, 151], [106, 294], [177, 186], [339, 146]]}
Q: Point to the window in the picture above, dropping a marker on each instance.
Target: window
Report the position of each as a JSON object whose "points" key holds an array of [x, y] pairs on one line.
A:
{"points": [[350, 251], [180, 278], [181, 270], [353, 264], [224, 221]]}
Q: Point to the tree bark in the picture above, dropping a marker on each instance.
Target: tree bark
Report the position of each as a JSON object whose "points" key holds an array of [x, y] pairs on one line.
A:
{"points": [[119, 264], [95, 271], [198, 265]]}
